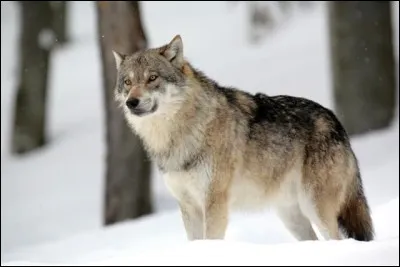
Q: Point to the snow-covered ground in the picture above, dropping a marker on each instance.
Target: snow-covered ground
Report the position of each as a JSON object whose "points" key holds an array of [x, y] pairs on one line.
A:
{"points": [[51, 200]]}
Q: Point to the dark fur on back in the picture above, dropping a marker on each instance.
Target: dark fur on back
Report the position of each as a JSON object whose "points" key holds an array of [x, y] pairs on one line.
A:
{"points": [[288, 114]]}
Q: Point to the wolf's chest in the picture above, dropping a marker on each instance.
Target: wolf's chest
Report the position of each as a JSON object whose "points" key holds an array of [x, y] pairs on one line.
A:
{"points": [[188, 185], [181, 156]]}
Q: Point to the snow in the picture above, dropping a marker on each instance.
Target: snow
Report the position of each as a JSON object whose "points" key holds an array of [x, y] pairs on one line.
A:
{"points": [[217, 253], [51, 200], [145, 243]]}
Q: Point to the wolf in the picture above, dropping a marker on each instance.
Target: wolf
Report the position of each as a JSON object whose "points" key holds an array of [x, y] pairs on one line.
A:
{"points": [[222, 149]]}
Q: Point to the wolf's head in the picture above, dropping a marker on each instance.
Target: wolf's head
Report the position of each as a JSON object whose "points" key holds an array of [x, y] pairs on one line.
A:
{"points": [[151, 81]]}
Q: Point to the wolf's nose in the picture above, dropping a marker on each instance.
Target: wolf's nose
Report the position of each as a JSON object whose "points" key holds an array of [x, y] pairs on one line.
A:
{"points": [[132, 103]]}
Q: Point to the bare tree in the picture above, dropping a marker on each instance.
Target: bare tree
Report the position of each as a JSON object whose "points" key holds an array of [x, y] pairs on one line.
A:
{"points": [[261, 20], [60, 9], [363, 64], [265, 16], [128, 167], [30, 108]]}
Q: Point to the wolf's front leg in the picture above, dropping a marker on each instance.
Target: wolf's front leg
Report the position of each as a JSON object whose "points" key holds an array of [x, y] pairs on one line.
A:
{"points": [[216, 215], [216, 208], [192, 216]]}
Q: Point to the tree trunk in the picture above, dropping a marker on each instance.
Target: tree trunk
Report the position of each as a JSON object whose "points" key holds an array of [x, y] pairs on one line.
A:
{"points": [[30, 108], [261, 20], [128, 167], [60, 21], [363, 64]]}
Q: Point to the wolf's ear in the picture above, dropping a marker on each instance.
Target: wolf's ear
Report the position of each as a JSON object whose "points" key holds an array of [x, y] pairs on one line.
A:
{"points": [[118, 58], [174, 51]]}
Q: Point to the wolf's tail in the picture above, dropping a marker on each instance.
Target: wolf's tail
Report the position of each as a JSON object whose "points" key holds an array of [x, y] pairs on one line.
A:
{"points": [[354, 218]]}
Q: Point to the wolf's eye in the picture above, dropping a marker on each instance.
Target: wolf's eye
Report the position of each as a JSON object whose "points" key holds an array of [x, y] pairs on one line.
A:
{"points": [[128, 82], [152, 78]]}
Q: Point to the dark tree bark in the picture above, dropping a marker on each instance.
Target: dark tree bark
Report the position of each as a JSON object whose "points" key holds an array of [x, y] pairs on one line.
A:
{"points": [[30, 107], [363, 64], [60, 21], [128, 167]]}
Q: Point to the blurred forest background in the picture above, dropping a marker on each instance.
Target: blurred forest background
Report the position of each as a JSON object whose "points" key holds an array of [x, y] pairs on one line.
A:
{"points": [[362, 82]]}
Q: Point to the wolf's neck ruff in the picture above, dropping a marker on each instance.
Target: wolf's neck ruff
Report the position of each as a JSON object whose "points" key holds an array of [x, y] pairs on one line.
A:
{"points": [[174, 134]]}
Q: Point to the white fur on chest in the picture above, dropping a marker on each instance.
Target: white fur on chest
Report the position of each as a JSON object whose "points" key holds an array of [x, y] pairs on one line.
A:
{"points": [[155, 130], [189, 186], [159, 134]]}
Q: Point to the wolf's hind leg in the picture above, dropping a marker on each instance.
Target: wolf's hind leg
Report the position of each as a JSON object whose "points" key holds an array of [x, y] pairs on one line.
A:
{"points": [[296, 222], [322, 212], [326, 222]]}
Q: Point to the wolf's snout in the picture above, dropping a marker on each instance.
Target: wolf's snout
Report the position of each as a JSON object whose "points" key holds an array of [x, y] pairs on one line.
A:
{"points": [[132, 103]]}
